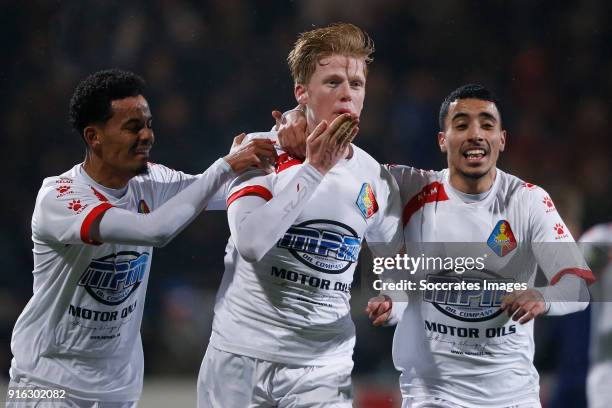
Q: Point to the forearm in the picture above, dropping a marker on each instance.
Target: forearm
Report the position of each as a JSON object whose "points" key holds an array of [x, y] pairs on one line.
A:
{"points": [[256, 231], [569, 295], [164, 223]]}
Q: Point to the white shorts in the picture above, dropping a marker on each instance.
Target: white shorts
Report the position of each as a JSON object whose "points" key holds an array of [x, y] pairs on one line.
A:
{"points": [[69, 401], [230, 380], [599, 385], [434, 402]]}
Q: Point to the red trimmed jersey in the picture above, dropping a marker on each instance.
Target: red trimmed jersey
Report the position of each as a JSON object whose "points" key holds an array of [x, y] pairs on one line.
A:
{"points": [[81, 328], [463, 348], [292, 307]]}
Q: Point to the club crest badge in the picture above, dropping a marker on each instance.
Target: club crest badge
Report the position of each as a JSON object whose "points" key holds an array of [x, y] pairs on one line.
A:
{"points": [[502, 240], [143, 208], [366, 201]]}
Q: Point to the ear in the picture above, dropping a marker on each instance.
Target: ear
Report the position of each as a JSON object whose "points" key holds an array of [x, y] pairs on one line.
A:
{"points": [[92, 136], [301, 94], [442, 141], [502, 142]]}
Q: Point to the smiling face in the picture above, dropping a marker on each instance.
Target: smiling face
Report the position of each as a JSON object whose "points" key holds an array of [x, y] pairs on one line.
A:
{"points": [[337, 86], [123, 142], [472, 140]]}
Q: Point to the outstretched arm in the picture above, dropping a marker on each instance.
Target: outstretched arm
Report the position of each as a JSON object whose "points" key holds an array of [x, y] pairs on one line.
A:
{"points": [[159, 227]]}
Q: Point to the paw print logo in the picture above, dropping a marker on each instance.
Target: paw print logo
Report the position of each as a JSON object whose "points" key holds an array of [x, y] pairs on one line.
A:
{"points": [[75, 205], [548, 202], [63, 189], [559, 229]]}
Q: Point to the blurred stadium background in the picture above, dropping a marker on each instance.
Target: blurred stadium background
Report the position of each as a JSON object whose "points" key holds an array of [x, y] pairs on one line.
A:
{"points": [[217, 68]]}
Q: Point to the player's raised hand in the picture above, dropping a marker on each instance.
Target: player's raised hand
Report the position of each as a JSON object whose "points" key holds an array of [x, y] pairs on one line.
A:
{"points": [[379, 309], [292, 132], [524, 305], [328, 143], [256, 152]]}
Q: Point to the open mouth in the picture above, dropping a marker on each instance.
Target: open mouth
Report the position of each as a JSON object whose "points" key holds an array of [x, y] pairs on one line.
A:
{"points": [[474, 154]]}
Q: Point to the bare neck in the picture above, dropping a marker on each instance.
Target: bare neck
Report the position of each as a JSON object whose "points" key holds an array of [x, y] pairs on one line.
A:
{"points": [[104, 174], [470, 185]]}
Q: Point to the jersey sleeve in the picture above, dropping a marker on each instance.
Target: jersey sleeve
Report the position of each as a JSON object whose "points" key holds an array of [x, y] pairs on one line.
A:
{"points": [[166, 182], [385, 235], [65, 211], [553, 245]]}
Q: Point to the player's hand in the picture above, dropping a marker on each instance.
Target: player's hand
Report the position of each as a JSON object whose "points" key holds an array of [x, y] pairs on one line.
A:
{"points": [[292, 132], [256, 152], [379, 309], [523, 305], [328, 143]]}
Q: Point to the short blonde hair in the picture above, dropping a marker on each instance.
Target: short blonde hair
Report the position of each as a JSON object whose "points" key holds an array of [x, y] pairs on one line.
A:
{"points": [[314, 45]]}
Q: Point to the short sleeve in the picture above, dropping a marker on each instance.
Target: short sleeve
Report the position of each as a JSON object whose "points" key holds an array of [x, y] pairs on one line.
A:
{"points": [[385, 235], [65, 211], [553, 245]]}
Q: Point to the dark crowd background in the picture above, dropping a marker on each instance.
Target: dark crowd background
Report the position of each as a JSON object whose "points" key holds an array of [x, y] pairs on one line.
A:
{"points": [[217, 68]]}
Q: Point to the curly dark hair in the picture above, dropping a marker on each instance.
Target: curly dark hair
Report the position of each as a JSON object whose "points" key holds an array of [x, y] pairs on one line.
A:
{"points": [[91, 100], [469, 91]]}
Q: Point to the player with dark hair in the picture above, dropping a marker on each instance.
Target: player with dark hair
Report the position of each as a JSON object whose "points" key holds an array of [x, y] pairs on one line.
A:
{"points": [[94, 228], [282, 333], [459, 349]]}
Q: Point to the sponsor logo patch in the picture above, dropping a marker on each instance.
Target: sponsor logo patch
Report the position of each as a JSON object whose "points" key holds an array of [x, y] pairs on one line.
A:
{"points": [[323, 245], [467, 305], [113, 278]]}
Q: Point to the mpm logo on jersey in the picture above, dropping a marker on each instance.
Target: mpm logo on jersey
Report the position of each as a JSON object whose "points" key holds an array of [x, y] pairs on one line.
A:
{"points": [[467, 305], [113, 278], [324, 245]]}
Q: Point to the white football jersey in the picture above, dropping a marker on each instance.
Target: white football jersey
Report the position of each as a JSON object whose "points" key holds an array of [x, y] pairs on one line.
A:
{"points": [[292, 307], [81, 329], [459, 345]]}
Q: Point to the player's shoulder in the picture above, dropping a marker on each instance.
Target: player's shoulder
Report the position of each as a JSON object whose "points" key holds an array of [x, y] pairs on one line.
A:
{"points": [[69, 182], [253, 176], [363, 157], [413, 176], [515, 188]]}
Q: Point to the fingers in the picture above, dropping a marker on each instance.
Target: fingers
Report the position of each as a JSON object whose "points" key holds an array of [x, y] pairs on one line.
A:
{"points": [[346, 137], [238, 139], [317, 132], [264, 147], [292, 138], [380, 320], [339, 125], [379, 309], [523, 306], [278, 118]]}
